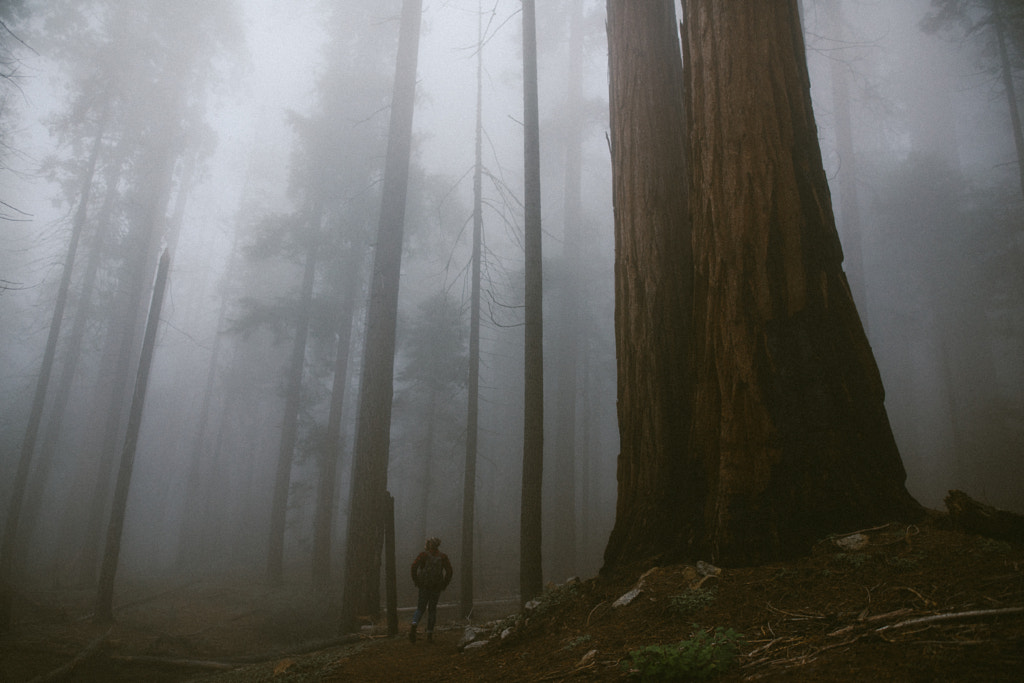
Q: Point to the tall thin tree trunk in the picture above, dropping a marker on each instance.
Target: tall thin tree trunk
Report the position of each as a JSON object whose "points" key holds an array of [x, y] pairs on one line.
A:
{"points": [[473, 383], [191, 543], [563, 514], [328, 482], [1011, 93], [531, 572], [123, 337], [73, 351], [28, 444], [587, 458], [426, 452], [292, 401], [104, 610], [372, 445]]}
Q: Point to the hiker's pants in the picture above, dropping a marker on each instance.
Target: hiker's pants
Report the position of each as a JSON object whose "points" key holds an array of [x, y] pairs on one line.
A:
{"points": [[427, 603]]}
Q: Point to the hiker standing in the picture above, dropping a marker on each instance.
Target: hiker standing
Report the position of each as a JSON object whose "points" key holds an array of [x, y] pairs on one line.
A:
{"points": [[431, 572]]}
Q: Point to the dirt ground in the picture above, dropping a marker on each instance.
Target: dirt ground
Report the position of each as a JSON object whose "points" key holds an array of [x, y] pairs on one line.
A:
{"points": [[915, 603]]}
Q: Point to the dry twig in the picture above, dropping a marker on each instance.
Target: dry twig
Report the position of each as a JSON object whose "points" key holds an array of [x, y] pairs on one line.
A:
{"points": [[795, 615]]}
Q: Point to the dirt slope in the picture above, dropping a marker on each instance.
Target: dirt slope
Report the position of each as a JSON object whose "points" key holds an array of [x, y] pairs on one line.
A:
{"points": [[838, 615]]}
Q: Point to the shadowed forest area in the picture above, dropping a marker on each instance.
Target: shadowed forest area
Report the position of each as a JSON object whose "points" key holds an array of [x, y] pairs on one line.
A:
{"points": [[287, 288]]}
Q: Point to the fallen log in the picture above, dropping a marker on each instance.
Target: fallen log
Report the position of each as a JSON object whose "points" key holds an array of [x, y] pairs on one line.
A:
{"points": [[970, 516]]}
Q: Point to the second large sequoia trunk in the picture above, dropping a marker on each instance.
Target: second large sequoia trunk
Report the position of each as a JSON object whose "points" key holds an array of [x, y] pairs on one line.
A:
{"points": [[751, 411]]}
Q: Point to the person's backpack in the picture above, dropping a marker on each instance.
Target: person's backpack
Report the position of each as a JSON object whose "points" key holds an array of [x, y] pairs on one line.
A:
{"points": [[431, 574]]}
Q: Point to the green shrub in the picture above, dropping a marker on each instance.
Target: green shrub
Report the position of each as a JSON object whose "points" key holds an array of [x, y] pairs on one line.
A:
{"points": [[905, 561], [554, 597], [991, 545], [702, 656], [856, 560], [692, 600]]}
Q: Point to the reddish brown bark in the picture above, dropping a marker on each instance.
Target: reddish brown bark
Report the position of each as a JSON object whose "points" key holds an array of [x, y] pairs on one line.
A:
{"points": [[653, 289], [790, 424], [751, 411]]}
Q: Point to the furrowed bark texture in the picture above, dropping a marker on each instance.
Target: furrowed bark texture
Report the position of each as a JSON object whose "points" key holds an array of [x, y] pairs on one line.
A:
{"points": [[789, 420], [659, 494]]}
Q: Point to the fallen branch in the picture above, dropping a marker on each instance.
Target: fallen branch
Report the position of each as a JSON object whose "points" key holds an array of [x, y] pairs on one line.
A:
{"points": [[571, 672], [794, 615], [923, 599], [594, 610], [863, 531], [769, 645], [955, 616], [89, 651], [806, 658], [888, 615], [172, 661]]}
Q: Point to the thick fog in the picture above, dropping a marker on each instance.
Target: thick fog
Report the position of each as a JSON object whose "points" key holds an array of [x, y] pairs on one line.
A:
{"points": [[248, 138]]}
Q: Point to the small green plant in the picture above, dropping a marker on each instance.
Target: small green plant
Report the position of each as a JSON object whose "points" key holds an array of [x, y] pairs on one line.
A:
{"points": [[692, 600], [991, 545], [904, 561], [855, 560], [556, 596], [702, 656], [785, 573], [577, 641]]}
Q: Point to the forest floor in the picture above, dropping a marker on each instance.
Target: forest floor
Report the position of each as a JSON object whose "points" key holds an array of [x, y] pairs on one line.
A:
{"points": [[914, 603]]}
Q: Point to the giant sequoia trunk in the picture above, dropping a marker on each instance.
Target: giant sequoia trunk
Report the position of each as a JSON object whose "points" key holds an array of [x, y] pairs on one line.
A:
{"points": [[789, 425], [653, 288], [788, 439]]}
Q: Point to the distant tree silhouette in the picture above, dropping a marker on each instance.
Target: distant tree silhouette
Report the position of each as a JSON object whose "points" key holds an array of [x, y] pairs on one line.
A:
{"points": [[372, 446]]}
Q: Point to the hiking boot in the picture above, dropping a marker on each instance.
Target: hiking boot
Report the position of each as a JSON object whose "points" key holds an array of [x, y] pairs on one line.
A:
{"points": [[430, 636], [412, 633]]}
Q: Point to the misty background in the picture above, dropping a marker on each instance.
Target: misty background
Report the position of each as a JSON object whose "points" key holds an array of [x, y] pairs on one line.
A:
{"points": [[226, 124]]}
